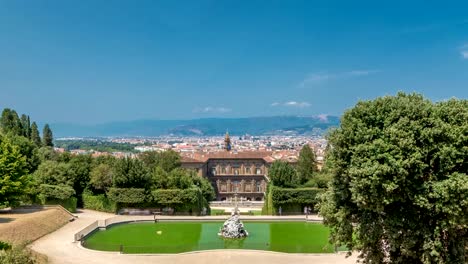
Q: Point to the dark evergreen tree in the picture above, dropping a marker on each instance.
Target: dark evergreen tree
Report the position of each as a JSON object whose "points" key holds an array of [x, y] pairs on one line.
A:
{"points": [[34, 136], [10, 122], [306, 165], [47, 136], [26, 125]]}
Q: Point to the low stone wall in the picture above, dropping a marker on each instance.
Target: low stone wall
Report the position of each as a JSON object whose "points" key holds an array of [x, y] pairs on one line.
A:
{"points": [[86, 231]]}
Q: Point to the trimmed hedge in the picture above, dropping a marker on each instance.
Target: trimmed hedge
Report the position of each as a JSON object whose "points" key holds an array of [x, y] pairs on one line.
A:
{"points": [[127, 195], [60, 192], [182, 200], [176, 196], [291, 200], [69, 204], [282, 196], [99, 203]]}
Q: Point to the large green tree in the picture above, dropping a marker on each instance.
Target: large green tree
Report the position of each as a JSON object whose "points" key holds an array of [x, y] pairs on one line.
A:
{"points": [[167, 160], [47, 137], [34, 135], [10, 122], [13, 173], [399, 192], [130, 173], [282, 174], [25, 125], [306, 164]]}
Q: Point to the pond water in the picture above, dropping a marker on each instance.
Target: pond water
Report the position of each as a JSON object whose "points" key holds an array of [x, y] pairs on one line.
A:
{"points": [[177, 237]]}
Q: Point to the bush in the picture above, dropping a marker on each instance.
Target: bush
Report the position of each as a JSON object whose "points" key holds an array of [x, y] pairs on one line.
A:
{"points": [[60, 192], [69, 204], [99, 203], [16, 255], [290, 200], [183, 201], [127, 195], [4, 245]]}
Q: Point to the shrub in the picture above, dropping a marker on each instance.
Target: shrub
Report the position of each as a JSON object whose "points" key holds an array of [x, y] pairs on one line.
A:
{"points": [[16, 255], [4, 245], [60, 192], [290, 200], [99, 203], [127, 195]]}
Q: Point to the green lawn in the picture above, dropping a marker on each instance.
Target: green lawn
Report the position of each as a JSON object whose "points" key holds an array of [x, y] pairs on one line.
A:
{"points": [[175, 237]]}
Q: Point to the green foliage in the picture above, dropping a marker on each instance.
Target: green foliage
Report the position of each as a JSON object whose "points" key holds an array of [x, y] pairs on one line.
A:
{"points": [[26, 126], [131, 173], [179, 179], [70, 204], [167, 160], [205, 186], [47, 137], [34, 135], [4, 245], [10, 122], [27, 149], [176, 196], [60, 192], [54, 173], [306, 164], [302, 196], [282, 174], [127, 195], [97, 145], [13, 173], [399, 189], [320, 180], [101, 177], [98, 202], [16, 255]]}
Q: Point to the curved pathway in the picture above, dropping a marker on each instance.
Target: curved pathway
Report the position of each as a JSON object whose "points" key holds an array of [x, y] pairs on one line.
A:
{"points": [[60, 248]]}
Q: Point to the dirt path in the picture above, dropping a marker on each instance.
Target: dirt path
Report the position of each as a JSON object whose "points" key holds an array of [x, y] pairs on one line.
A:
{"points": [[60, 249]]}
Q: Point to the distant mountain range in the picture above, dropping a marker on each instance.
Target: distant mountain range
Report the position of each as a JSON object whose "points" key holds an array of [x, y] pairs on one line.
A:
{"points": [[274, 125]]}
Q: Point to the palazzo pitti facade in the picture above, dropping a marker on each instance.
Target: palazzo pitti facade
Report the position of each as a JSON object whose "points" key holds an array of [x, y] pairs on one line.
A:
{"points": [[244, 173]]}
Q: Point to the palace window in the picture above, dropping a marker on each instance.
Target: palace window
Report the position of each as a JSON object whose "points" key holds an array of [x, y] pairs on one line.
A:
{"points": [[223, 170], [236, 171], [259, 187], [235, 185], [213, 171], [247, 170], [258, 171]]}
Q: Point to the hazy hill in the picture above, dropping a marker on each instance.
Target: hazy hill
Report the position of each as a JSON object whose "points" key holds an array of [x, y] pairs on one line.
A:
{"points": [[278, 125]]}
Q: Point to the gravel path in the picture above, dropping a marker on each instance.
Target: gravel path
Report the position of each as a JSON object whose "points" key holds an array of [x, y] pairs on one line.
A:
{"points": [[61, 249]]}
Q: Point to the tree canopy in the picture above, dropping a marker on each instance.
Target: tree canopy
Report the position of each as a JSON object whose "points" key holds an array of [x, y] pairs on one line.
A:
{"points": [[399, 192], [282, 174], [13, 173], [47, 137], [306, 164]]}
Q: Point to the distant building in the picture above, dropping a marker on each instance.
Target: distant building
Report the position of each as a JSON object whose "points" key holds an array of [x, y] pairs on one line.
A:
{"points": [[244, 173]]}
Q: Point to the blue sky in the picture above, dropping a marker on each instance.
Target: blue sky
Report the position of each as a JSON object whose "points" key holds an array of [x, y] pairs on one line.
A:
{"points": [[99, 61]]}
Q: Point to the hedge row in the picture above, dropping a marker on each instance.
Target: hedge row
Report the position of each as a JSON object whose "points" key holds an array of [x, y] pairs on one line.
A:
{"points": [[69, 204], [60, 192], [291, 201], [99, 203], [127, 195]]}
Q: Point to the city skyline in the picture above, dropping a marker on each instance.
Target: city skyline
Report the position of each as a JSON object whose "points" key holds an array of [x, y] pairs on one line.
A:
{"points": [[90, 62]]}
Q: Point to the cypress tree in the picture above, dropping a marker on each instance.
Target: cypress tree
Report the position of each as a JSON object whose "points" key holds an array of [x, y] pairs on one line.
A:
{"points": [[26, 125], [10, 122], [47, 136], [35, 138], [306, 164]]}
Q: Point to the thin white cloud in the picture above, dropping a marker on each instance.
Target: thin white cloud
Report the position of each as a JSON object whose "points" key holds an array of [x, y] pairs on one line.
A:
{"points": [[210, 109], [464, 51], [320, 77], [292, 104], [464, 54]]}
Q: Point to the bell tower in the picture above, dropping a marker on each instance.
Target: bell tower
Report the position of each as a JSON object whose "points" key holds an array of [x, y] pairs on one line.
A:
{"points": [[227, 142]]}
